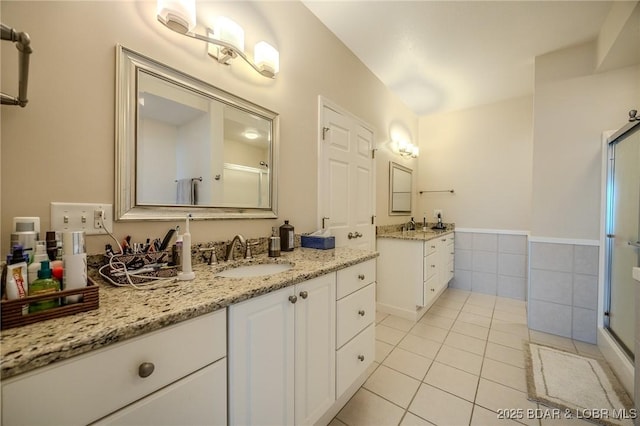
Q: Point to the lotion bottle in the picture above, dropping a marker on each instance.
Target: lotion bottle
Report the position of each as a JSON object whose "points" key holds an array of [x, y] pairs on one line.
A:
{"points": [[44, 284]]}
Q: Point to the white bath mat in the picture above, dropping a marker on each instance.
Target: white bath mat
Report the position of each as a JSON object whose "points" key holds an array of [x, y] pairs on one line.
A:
{"points": [[576, 386]]}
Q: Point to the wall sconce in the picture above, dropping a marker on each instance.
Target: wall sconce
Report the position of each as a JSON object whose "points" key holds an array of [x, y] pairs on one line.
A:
{"points": [[226, 40], [407, 149]]}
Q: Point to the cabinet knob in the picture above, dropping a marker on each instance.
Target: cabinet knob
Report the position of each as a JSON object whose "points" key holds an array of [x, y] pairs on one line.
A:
{"points": [[433, 289], [304, 294], [361, 277], [433, 266], [293, 299], [361, 357], [361, 312], [433, 246], [145, 369]]}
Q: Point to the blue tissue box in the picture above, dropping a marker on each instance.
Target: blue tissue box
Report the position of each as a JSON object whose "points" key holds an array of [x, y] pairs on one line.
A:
{"points": [[322, 243]]}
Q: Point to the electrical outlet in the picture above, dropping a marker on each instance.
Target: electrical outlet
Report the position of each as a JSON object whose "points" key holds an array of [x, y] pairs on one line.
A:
{"points": [[81, 217], [437, 212]]}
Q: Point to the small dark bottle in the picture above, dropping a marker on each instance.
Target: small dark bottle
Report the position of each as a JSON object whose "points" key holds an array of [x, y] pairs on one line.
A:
{"points": [[287, 238]]}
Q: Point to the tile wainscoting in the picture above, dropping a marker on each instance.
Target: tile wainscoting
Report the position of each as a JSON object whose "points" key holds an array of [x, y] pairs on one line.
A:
{"points": [[491, 262], [563, 287]]}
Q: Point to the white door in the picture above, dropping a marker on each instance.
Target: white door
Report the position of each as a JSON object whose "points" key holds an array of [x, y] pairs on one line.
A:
{"points": [[347, 176], [315, 346], [261, 360]]}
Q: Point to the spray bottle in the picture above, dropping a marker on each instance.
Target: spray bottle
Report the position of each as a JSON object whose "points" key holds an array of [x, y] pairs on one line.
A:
{"points": [[187, 273]]}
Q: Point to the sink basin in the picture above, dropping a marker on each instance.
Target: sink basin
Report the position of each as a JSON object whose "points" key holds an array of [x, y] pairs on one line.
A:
{"points": [[256, 270]]}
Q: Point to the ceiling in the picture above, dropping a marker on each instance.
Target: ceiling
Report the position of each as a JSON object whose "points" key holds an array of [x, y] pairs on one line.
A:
{"points": [[441, 56]]}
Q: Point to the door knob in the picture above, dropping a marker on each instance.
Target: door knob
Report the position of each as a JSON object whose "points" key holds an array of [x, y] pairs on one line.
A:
{"points": [[357, 235], [361, 277], [350, 236], [361, 357]]}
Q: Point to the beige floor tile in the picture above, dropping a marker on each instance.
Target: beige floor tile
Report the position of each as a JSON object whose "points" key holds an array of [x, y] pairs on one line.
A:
{"points": [[511, 305], [397, 323], [506, 339], [382, 350], [411, 419], [480, 299], [511, 317], [367, 408], [467, 343], [494, 396], [380, 316], [512, 328], [439, 407], [463, 360], [475, 319], [388, 334], [469, 329], [483, 417], [429, 331], [478, 310], [392, 385], [505, 354], [504, 374], [421, 346], [450, 303], [456, 294], [552, 340], [437, 321], [444, 312], [452, 380], [408, 363], [372, 367], [551, 420]]}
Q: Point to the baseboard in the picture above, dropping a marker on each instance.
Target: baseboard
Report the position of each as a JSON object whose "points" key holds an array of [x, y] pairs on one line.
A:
{"points": [[617, 359]]}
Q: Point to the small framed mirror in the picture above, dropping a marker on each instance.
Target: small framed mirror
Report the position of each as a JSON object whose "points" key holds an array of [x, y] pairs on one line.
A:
{"points": [[185, 146], [400, 189]]}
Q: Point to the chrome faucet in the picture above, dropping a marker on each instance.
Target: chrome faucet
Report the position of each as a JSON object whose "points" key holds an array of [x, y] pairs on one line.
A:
{"points": [[230, 247]]}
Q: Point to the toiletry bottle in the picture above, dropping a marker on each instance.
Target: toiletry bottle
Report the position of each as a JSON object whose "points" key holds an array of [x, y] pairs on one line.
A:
{"points": [[74, 260], [187, 273], [412, 225], [287, 238], [39, 256], [424, 223], [44, 284], [17, 281], [274, 243]]}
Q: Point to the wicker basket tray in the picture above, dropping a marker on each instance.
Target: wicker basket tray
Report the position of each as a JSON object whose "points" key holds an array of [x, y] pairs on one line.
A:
{"points": [[11, 310]]}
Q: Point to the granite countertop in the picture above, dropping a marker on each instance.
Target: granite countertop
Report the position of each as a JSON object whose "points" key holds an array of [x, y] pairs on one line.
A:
{"points": [[125, 312], [419, 235]]}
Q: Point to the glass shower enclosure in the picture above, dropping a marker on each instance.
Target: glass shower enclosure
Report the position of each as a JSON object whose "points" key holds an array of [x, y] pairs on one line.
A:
{"points": [[623, 234]]}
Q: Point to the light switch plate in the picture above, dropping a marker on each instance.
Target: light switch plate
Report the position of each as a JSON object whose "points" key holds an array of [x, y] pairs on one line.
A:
{"points": [[81, 217]]}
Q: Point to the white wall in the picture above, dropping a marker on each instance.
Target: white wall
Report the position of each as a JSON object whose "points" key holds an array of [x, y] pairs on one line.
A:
{"points": [[484, 154], [61, 146], [572, 107]]}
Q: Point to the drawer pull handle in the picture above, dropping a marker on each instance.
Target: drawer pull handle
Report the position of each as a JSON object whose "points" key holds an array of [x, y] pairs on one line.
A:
{"points": [[361, 277], [304, 294], [145, 369], [433, 289], [293, 299], [361, 357], [433, 246], [361, 312]]}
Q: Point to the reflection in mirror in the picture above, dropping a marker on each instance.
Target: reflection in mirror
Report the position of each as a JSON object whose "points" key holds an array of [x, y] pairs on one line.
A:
{"points": [[399, 189], [195, 148]]}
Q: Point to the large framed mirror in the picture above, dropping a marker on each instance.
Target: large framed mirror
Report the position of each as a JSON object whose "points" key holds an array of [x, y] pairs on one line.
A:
{"points": [[400, 184], [185, 146]]}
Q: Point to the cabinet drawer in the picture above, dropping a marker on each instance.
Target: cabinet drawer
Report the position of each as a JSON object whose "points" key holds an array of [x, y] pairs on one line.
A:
{"points": [[354, 358], [198, 399], [88, 387], [355, 312], [430, 247], [430, 265], [355, 277]]}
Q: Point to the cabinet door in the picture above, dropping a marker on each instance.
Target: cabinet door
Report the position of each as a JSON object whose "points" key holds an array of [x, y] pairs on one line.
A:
{"points": [[315, 325], [198, 399], [261, 360]]}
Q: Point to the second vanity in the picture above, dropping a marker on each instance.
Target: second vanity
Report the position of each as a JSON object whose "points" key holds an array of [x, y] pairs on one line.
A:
{"points": [[287, 348], [414, 268]]}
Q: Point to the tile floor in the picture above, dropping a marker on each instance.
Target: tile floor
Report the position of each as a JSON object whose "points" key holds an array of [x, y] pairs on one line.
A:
{"points": [[459, 365]]}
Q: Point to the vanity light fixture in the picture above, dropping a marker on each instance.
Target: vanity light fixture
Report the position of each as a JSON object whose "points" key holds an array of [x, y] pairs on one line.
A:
{"points": [[407, 149], [226, 39]]}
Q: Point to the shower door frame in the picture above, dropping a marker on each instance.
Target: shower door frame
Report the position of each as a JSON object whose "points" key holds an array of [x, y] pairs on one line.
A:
{"points": [[609, 241]]}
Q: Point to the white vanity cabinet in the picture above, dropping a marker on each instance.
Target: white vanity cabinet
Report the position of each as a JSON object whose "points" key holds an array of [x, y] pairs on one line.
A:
{"points": [[175, 375], [412, 273], [282, 355]]}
